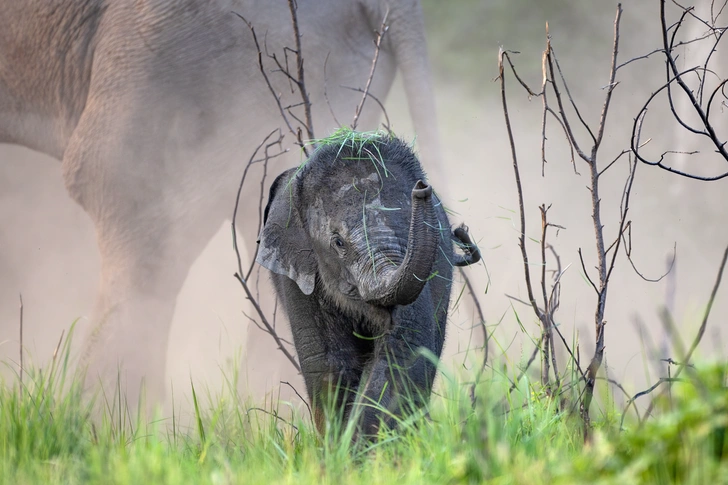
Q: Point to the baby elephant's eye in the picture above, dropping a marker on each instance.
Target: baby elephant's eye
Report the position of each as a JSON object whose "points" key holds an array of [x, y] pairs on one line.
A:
{"points": [[337, 242]]}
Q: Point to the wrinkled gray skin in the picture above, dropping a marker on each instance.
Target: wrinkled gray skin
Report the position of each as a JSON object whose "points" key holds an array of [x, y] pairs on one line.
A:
{"points": [[153, 109], [353, 245]]}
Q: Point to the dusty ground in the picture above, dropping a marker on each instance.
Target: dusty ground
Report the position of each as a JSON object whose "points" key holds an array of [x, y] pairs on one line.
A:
{"points": [[47, 243]]}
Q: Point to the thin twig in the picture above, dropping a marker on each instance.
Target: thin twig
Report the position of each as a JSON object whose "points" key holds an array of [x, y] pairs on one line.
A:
{"points": [[261, 196], [549, 309], [239, 274], [704, 323], [274, 414], [662, 380], [310, 414], [522, 235], [271, 331], [263, 71], [528, 364], [586, 274], [591, 161], [552, 54], [559, 102], [481, 316], [300, 72], [624, 210], [326, 93], [386, 124], [696, 98], [377, 47]]}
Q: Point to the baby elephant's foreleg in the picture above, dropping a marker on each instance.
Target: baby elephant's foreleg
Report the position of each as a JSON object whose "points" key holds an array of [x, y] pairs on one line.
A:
{"points": [[398, 380]]}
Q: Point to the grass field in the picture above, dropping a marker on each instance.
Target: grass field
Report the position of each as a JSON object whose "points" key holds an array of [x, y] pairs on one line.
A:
{"points": [[49, 435]]}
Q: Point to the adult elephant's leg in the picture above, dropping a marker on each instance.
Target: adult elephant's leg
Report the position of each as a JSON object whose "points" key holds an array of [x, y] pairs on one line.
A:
{"points": [[149, 232]]}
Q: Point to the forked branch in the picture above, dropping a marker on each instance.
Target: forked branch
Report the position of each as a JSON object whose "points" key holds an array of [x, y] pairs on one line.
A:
{"points": [[377, 47], [241, 276], [554, 82], [698, 104]]}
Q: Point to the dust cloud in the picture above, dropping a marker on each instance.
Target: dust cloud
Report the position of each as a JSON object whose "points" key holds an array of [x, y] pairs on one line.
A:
{"points": [[48, 252]]}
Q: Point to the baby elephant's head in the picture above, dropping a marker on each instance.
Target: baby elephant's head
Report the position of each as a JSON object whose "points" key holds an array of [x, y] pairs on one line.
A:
{"points": [[356, 219]]}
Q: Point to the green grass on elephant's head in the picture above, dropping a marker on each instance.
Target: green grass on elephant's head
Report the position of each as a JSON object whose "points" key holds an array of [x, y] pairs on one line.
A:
{"points": [[471, 434], [362, 145]]}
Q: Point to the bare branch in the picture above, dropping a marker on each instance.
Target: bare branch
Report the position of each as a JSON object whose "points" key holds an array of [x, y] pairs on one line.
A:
{"points": [[704, 323], [518, 78], [546, 320], [549, 309], [662, 380], [239, 274], [624, 209], [274, 414], [261, 67], [624, 391], [546, 107], [310, 414], [552, 55], [528, 365], [269, 329], [628, 253], [673, 75], [599, 322], [377, 46], [516, 171], [481, 316], [386, 123], [616, 159], [261, 198], [610, 87], [299, 69], [562, 115], [326, 93], [586, 274]]}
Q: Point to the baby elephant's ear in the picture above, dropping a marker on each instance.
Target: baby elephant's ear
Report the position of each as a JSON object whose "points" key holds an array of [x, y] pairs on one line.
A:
{"points": [[284, 246]]}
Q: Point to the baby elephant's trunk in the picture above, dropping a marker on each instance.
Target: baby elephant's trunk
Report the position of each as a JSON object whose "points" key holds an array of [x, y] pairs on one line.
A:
{"points": [[403, 285]]}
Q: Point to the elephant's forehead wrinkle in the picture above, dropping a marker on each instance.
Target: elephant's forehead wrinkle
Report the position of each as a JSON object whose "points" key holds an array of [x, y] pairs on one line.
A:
{"points": [[376, 216], [321, 223], [360, 185], [352, 217]]}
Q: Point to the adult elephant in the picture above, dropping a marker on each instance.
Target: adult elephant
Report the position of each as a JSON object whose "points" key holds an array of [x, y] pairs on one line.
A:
{"points": [[153, 108]]}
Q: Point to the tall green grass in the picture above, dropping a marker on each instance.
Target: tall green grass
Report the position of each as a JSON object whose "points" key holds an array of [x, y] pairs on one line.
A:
{"points": [[49, 433]]}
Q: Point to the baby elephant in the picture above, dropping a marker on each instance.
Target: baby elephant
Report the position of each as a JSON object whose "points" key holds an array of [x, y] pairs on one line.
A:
{"points": [[362, 257]]}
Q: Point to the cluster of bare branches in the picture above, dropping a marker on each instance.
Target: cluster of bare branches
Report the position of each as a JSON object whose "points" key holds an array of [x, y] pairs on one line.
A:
{"points": [[703, 101], [244, 277], [296, 80], [554, 83], [559, 105], [301, 128]]}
